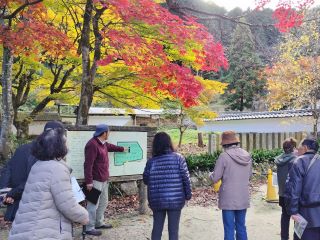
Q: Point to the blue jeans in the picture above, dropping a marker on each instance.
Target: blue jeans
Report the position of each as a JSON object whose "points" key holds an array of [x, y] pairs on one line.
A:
{"points": [[173, 224], [234, 220]]}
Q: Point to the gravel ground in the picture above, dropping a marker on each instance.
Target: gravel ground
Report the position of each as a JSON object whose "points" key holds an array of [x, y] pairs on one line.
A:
{"points": [[197, 223]]}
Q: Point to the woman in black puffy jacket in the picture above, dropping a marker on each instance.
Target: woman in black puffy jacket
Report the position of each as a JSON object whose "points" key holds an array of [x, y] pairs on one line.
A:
{"points": [[168, 180]]}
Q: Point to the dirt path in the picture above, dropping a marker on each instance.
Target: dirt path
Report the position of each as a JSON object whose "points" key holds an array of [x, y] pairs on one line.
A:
{"points": [[199, 223]]}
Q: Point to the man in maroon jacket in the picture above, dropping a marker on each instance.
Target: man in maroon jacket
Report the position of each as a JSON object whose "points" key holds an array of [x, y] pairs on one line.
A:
{"points": [[96, 173]]}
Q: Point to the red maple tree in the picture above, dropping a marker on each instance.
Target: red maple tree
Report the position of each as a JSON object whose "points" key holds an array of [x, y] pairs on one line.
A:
{"points": [[30, 31], [157, 71], [288, 13]]}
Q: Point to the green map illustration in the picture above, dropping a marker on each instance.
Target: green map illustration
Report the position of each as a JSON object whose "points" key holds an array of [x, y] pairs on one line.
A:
{"points": [[135, 154]]}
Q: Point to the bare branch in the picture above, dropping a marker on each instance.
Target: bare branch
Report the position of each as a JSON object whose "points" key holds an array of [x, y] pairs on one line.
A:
{"points": [[19, 9], [116, 99]]}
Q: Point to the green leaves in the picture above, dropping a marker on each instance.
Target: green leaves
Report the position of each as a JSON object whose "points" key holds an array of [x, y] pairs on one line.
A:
{"points": [[202, 162], [206, 162], [263, 155], [243, 77]]}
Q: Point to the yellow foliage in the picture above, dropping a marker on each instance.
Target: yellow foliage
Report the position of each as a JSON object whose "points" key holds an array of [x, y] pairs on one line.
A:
{"points": [[294, 80]]}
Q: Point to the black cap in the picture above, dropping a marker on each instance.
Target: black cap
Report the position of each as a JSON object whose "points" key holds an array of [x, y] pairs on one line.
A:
{"points": [[53, 125]]}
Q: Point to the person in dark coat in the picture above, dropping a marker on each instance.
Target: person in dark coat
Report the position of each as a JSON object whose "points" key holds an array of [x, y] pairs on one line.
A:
{"points": [[284, 163], [167, 177], [16, 173], [302, 194]]}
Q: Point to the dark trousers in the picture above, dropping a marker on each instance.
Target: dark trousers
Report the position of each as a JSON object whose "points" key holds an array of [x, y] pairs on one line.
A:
{"points": [[309, 234], [285, 220], [173, 224]]}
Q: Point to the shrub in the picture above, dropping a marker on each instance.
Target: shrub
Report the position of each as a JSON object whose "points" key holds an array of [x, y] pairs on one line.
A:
{"points": [[206, 162], [202, 162], [263, 155]]}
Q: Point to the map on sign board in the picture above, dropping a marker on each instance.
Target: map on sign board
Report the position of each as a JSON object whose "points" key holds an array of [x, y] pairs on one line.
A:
{"points": [[135, 154]]}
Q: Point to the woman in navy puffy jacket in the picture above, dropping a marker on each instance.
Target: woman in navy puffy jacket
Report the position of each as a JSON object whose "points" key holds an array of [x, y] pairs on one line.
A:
{"points": [[168, 180]]}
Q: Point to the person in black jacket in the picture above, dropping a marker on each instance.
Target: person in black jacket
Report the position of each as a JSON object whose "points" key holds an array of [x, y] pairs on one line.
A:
{"points": [[302, 193], [284, 163], [16, 172], [168, 180]]}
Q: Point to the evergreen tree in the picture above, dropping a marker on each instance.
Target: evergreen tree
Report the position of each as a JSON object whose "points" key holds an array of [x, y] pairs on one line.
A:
{"points": [[245, 84]]}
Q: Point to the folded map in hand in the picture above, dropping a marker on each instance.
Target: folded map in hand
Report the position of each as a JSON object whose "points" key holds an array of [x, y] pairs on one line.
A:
{"points": [[300, 225]]}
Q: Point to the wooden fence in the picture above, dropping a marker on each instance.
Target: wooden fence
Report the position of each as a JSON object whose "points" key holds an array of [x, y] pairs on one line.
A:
{"points": [[251, 141]]}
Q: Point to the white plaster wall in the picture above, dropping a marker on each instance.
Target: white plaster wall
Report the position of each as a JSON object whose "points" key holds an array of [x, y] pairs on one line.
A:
{"points": [[36, 127], [111, 120], [302, 124], [71, 120]]}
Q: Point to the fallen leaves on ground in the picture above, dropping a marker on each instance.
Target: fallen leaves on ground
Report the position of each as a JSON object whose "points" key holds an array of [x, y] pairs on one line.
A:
{"points": [[123, 205], [192, 148], [204, 197], [3, 224], [126, 205]]}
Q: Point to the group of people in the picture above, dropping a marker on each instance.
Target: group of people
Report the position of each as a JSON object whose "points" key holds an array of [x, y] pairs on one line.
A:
{"points": [[41, 204], [44, 205], [299, 180], [167, 177]]}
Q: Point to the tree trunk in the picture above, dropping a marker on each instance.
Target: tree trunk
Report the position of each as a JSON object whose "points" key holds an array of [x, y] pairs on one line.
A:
{"points": [[7, 108], [86, 86], [315, 129], [22, 128], [315, 124], [40, 107], [241, 103], [180, 137], [315, 114], [19, 99], [200, 140]]}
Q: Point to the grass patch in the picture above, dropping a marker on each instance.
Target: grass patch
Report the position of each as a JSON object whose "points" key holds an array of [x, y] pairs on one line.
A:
{"points": [[189, 136]]}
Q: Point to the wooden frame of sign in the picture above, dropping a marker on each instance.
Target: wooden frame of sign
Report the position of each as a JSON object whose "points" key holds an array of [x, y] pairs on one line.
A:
{"points": [[131, 170]]}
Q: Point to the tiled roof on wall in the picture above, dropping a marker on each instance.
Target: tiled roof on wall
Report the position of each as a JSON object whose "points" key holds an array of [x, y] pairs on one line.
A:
{"points": [[260, 115], [121, 111], [43, 116]]}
